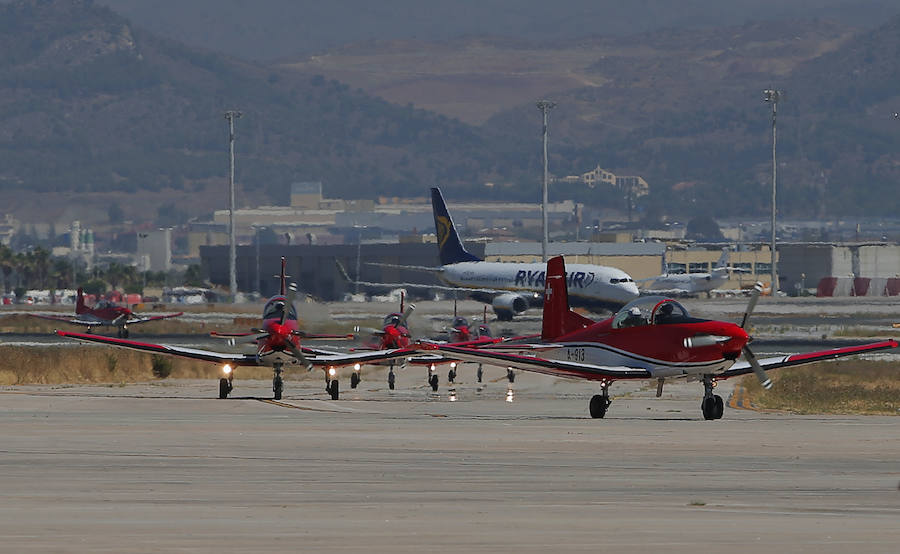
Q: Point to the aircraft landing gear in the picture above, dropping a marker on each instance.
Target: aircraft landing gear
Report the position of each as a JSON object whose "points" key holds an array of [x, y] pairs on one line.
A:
{"points": [[123, 333], [480, 373], [224, 387], [354, 380], [433, 381], [712, 406], [451, 375], [391, 377], [333, 389], [277, 382], [511, 375], [600, 402]]}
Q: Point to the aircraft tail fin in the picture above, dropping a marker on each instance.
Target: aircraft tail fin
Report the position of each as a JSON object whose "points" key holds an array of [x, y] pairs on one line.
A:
{"points": [[450, 248], [723, 260], [283, 276], [558, 318], [79, 302]]}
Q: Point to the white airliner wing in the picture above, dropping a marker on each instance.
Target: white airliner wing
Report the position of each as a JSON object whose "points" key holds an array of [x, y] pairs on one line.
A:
{"points": [[344, 274], [410, 267], [743, 368], [558, 368]]}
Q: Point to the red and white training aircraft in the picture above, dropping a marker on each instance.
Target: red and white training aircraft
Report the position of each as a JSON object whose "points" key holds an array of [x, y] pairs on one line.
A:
{"points": [[277, 344], [104, 314], [650, 338]]}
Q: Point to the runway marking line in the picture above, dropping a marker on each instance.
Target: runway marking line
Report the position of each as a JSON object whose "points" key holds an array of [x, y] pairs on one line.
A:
{"points": [[307, 408]]}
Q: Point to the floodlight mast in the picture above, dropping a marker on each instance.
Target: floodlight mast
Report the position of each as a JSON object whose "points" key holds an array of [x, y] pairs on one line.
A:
{"points": [[545, 106], [231, 115], [773, 96]]}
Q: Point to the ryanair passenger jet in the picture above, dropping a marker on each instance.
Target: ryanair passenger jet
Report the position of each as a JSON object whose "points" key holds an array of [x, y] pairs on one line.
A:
{"points": [[513, 287]]}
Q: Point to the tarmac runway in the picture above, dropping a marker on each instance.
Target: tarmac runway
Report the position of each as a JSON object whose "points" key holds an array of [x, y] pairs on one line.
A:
{"points": [[164, 467]]}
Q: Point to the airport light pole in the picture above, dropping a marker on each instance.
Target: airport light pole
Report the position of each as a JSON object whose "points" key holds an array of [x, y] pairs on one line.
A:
{"points": [[231, 115], [772, 96], [545, 106]]}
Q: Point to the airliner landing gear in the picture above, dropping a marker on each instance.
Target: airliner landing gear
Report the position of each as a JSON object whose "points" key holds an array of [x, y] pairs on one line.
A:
{"points": [[391, 377], [277, 382], [713, 407], [480, 373], [224, 387], [511, 375], [600, 402]]}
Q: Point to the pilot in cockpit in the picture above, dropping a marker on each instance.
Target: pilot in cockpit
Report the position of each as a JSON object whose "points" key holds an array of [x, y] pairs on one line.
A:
{"points": [[634, 318]]}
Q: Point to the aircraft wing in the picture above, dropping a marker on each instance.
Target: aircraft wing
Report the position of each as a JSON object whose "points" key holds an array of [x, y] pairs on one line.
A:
{"points": [[410, 267], [743, 368], [346, 277], [319, 358], [558, 368], [195, 353], [134, 320], [68, 319]]}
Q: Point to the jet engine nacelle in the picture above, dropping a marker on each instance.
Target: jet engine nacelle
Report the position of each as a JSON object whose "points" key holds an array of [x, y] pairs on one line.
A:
{"points": [[509, 304]]}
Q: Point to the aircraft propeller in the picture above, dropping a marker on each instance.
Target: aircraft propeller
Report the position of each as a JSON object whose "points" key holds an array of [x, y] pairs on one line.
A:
{"points": [[751, 357]]}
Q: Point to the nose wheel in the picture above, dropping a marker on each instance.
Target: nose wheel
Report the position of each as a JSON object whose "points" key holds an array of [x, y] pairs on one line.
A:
{"points": [[600, 402], [277, 382], [712, 406], [224, 387], [333, 389]]}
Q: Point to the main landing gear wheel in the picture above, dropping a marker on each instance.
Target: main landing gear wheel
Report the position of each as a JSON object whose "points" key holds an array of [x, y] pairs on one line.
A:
{"points": [[480, 373], [713, 407], [334, 389], [391, 379], [451, 376], [354, 380], [511, 375], [433, 381], [224, 387], [123, 333]]}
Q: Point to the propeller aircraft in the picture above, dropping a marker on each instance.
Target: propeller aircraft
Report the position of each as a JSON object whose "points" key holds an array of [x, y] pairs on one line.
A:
{"points": [[651, 338], [104, 314], [277, 345]]}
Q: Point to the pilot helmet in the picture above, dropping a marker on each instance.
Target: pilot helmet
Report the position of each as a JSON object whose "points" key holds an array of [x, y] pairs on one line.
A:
{"points": [[635, 311]]}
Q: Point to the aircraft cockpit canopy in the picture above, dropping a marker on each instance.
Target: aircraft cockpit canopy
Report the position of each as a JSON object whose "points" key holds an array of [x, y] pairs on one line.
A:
{"points": [[392, 319], [275, 308], [649, 309], [460, 322]]}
